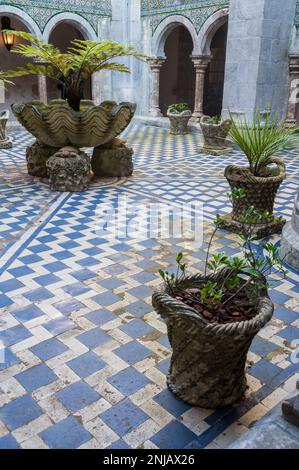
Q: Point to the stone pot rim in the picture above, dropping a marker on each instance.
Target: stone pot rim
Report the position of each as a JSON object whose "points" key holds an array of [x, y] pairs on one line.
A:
{"points": [[238, 173], [203, 121], [265, 307], [185, 113]]}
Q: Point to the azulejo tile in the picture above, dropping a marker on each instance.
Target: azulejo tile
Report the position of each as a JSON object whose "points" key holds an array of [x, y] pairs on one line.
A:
{"points": [[77, 396], [86, 364], [67, 434], [48, 349], [123, 417], [20, 412], [128, 381], [36, 377], [133, 352], [173, 436]]}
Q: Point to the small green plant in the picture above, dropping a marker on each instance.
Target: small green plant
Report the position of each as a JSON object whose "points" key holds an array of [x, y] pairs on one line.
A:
{"points": [[227, 277], [214, 119], [260, 140], [179, 107], [73, 68]]}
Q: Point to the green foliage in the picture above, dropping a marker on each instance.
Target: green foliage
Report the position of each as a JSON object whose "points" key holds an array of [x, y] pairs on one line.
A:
{"points": [[179, 107], [73, 68], [214, 119], [261, 140]]}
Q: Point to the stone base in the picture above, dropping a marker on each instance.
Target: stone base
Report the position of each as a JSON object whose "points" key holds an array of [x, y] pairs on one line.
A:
{"points": [[216, 152], [290, 246], [37, 156], [114, 161], [290, 409], [5, 144], [259, 231], [69, 170]]}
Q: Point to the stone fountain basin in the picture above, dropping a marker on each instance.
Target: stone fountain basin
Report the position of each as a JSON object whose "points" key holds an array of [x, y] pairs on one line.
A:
{"points": [[58, 125]]}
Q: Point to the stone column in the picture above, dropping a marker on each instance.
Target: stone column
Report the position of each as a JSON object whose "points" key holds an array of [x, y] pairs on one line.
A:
{"points": [[42, 88], [290, 238], [201, 63], [293, 90], [156, 64], [95, 88]]}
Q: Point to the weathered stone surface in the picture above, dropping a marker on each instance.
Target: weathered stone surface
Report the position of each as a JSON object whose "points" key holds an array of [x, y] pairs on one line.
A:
{"points": [[69, 170], [5, 142], [207, 366], [290, 409], [290, 238], [37, 156], [215, 136], [112, 161], [58, 125], [179, 122]]}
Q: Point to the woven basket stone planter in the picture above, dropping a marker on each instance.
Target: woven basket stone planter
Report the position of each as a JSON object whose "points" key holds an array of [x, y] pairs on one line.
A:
{"points": [[290, 238], [208, 359], [58, 125], [260, 193], [179, 121], [214, 136], [69, 170], [5, 142]]}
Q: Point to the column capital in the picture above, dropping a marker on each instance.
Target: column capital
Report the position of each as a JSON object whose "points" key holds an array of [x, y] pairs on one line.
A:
{"points": [[201, 61], [156, 62], [294, 62]]}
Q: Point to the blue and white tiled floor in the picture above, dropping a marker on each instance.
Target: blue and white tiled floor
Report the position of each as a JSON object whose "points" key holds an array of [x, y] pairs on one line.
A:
{"points": [[85, 355]]}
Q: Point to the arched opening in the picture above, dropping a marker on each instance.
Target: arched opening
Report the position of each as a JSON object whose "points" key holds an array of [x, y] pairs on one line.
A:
{"points": [[61, 37], [177, 78], [25, 88], [214, 80]]}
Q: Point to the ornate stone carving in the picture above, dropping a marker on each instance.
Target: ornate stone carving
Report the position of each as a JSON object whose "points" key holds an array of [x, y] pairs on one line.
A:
{"points": [[112, 160], [179, 122], [290, 238], [214, 136], [58, 125], [69, 170], [37, 156], [5, 142]]}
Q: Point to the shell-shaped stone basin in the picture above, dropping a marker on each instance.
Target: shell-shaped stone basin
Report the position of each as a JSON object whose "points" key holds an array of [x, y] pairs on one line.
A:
{"points": [[58, 125]]}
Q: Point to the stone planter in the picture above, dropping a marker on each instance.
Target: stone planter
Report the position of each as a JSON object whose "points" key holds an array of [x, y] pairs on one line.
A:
{"points": [[215, 136], [179, 121], [58, 125], [69, 170], [208, 360], [290, 238], [260, 193], [112, 161], [5, 142]]}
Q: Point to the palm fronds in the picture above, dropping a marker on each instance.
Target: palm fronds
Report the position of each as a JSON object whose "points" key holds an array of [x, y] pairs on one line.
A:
{"points": [[260, 140]]}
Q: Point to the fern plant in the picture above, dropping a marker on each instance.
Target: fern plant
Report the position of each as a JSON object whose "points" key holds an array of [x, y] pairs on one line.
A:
{"points": [[72, 68], [260, 140]]}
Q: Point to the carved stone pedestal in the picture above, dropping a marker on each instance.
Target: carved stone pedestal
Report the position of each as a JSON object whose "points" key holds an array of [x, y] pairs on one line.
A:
{"points": [[5, 142], [69, 170], [290, 409], [290, 239], [37, 156], [113, 160]]}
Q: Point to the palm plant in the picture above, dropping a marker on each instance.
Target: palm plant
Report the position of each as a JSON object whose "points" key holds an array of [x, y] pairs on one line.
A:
{"points": [[73, 68], [261, 139]]}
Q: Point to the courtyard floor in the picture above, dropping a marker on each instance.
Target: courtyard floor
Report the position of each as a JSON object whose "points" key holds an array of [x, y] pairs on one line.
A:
{"points": [[86, 356]]}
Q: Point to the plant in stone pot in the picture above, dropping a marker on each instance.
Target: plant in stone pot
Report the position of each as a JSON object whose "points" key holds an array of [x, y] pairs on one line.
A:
{"points": [[215, 132], [179, 115], [212, 318], [260, 141], [71, 121]]}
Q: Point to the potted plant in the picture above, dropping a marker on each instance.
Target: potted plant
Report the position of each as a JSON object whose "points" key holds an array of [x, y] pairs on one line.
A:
{"points": [[71, 121], [212, 318], [5, 142], [259, 141], [179, 115], [215, 132]]}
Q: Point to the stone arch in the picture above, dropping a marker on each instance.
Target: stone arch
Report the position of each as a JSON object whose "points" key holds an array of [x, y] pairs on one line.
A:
{"points": [[78, 21], [209, 28], [166, 27], [22, 16]]}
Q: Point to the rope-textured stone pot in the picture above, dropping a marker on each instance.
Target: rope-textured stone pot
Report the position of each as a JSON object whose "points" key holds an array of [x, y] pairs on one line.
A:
{"points": [[260, 193], [58, 125], [214, 136], [179, 121], [208, 360]]}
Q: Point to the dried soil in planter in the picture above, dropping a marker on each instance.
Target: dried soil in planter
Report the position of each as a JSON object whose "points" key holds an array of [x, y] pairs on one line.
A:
{"points": [[239, 309]]}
